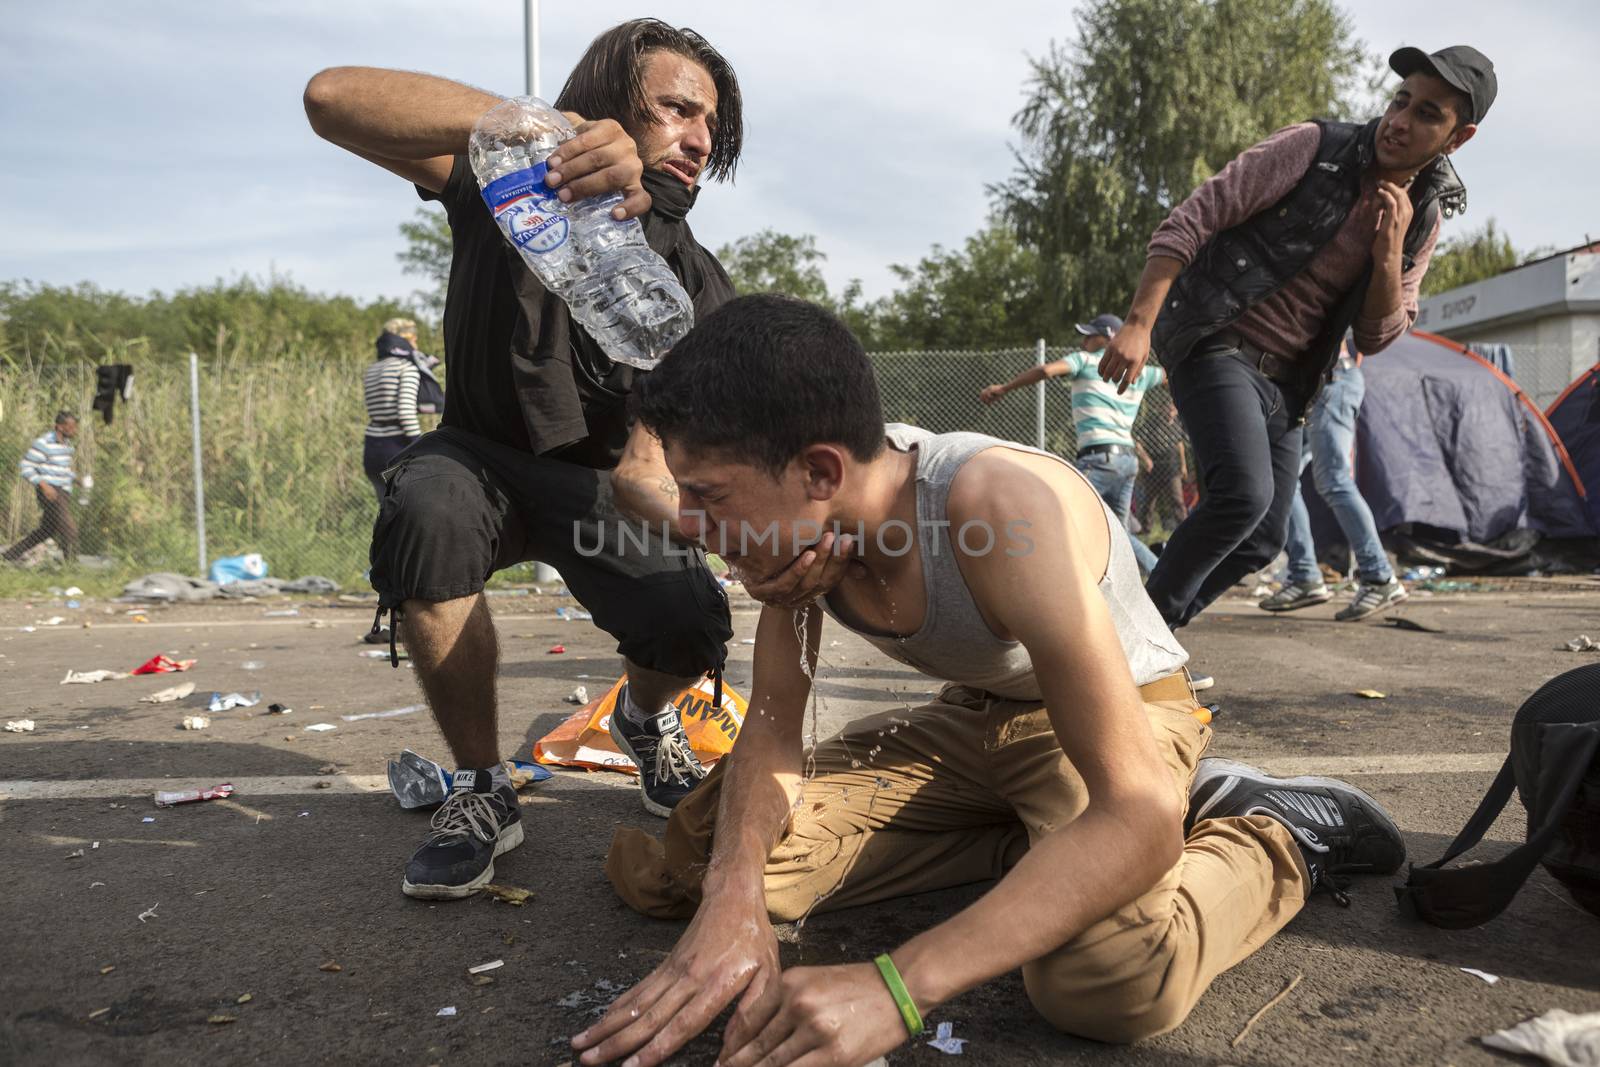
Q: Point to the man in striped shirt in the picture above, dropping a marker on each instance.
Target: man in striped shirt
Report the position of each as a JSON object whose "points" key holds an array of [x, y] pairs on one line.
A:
{"points": [[1103, 418], [390, 386], [48, 466]]}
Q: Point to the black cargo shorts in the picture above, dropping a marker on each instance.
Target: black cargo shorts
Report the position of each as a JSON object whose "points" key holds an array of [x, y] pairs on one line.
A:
{"points": [[457, 508]]}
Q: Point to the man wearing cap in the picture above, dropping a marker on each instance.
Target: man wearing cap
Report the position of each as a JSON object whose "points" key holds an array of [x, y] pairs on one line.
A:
{"points": [[1252, 282], [1103, 418]]}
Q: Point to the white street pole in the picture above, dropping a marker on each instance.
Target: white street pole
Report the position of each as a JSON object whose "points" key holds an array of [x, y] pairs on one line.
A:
{"points": [[199, 472], [542, 572], [530, 23], [1039, 402]]}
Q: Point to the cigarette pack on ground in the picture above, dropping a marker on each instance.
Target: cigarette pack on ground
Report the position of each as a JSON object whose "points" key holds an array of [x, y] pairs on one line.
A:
{"points": [[189, 796], [584, 739]]}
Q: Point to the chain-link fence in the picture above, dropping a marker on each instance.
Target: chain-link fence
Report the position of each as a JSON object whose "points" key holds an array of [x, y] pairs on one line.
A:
{"points": [[939, 390], [280, 447]]}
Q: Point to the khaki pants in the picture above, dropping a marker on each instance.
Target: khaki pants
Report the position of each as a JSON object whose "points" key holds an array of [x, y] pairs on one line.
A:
{"points": [[955, 792]]}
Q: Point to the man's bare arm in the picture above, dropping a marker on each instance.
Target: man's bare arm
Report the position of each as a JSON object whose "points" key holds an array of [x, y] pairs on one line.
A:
{"points": [[1130, 834], [729, 951], [408, 123], [642, 485], [415, 124], [1032, 376]]}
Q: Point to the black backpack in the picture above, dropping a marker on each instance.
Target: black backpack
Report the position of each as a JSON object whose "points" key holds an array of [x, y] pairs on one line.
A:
{"points": [[1555, 768]]}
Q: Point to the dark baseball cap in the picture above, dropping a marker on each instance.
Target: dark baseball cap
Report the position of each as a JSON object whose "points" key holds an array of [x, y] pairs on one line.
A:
{"points": [[1100, 326], [1460, 66]]}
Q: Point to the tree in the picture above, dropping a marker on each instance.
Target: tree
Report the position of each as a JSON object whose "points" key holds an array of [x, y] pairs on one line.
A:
{"points": [[1153, 98], [773, 262], [427, 253], [1470, 257], [984, 295]]}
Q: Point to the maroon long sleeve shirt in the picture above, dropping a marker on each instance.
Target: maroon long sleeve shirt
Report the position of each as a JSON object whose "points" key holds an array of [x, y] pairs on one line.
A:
{"points": [[1286, 322]]}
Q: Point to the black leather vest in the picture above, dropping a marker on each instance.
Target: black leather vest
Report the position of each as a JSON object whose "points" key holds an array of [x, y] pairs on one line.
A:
{"points": [[1242, 266]]}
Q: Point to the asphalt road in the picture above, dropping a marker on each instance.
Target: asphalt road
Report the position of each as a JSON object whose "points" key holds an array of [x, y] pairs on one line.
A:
{"points": [[122, 955]]}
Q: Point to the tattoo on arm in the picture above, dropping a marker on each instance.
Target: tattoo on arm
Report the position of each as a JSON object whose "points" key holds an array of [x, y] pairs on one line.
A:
{"points": [[668, 487]]}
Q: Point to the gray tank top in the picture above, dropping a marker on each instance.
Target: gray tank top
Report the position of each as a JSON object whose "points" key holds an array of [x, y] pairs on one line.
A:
{"points": [[954, 643]]}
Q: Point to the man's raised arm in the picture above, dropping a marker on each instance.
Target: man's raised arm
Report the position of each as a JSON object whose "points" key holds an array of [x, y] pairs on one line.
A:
{"points": [[414, 125], [729, 949], [411, 124]]}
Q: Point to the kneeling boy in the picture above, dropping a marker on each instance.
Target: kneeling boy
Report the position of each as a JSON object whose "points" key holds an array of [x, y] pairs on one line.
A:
{"points": [[1060, 759]]}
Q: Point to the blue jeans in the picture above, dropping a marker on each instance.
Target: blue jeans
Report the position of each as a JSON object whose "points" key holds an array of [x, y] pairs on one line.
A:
{"points": [[1331, 436], [1112, 477]]}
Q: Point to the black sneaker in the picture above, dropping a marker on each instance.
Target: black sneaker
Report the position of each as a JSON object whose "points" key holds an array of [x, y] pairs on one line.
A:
{"points": [[476, 824], [668, 769], [1340, 829]]}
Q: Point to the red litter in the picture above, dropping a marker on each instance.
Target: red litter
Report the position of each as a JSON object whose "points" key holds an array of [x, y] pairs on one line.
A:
{"points": [[189, 796], [556, 650], [164, 664]]}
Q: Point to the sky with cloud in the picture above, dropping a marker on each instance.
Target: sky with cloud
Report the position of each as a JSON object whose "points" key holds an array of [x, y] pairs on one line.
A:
{"points": [[162, 144]]}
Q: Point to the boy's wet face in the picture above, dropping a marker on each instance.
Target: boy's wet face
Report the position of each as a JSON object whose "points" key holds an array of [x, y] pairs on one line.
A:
{"points": [[757, 521]]}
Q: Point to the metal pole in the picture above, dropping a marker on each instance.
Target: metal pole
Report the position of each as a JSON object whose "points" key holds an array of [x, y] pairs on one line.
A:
{"points": [[199, 471], [530, 25], [1039, 401]]}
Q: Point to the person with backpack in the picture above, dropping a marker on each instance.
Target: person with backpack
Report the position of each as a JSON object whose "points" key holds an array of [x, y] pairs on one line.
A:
{"points": [[390, 386]]}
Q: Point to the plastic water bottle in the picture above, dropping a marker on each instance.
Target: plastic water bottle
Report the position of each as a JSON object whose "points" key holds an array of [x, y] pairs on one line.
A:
{"points": [[621, 292]]}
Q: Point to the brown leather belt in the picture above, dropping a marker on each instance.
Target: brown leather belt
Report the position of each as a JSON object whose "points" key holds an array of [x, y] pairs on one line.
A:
{"points": [[1274, 368], [1174, 687]]}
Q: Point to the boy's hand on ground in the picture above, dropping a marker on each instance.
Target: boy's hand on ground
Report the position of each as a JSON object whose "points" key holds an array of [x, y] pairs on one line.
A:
{"points": [[1125, 356], [726, 951], [601, 159], [816, 571], [829, 1016]]}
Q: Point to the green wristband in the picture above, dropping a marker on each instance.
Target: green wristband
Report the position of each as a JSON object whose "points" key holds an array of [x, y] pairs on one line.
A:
{"points": [[901, 995]]}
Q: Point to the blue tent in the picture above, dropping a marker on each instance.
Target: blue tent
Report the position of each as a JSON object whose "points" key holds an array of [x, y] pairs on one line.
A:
{"points": [[1445, 440], [1576, 418]]}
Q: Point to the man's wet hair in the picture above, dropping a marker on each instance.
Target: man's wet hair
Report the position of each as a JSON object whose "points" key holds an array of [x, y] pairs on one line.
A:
{"points": [[608, 82], [762, 378]]}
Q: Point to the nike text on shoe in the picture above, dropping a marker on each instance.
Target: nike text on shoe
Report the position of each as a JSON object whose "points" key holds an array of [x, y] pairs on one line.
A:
{"points": [[1295, 596], [476, 823], [668, 769], [1340, 829], [1372, 598]]}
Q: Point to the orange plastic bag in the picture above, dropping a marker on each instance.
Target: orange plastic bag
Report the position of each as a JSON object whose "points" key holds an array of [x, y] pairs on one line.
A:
{"points": [[584, 739]]}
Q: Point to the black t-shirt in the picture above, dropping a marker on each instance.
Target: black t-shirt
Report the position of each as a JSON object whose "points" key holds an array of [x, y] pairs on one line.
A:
{"points": [[520, 371]]}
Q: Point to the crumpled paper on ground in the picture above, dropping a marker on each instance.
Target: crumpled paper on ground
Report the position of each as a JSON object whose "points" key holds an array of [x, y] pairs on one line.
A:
{"points": [[945, 1042], [1560, 1038], [167, 696], [164, 664], [90, 677], [1582, 643], [19, 726], [220, 702]]}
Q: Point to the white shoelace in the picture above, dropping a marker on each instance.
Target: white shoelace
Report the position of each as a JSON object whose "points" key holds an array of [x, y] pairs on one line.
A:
{"points": [[675, 761], [466, 813]]}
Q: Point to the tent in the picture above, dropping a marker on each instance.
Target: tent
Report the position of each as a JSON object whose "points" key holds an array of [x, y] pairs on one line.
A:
{"points": [[1575, 415], [1451, 450]]}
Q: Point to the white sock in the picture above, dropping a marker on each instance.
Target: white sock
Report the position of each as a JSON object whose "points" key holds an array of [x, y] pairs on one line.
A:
{"points": [[632, 711]]}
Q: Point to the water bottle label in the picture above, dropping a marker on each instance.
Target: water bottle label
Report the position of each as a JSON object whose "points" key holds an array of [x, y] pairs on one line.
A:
{"points": [[527, 210]]}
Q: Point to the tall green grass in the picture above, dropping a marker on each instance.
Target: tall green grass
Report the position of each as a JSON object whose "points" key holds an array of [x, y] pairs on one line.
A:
{"points": [[280, 449]]}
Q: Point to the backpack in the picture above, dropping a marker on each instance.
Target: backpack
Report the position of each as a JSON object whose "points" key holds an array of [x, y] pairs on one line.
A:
{"points": [[1554, 767]]}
